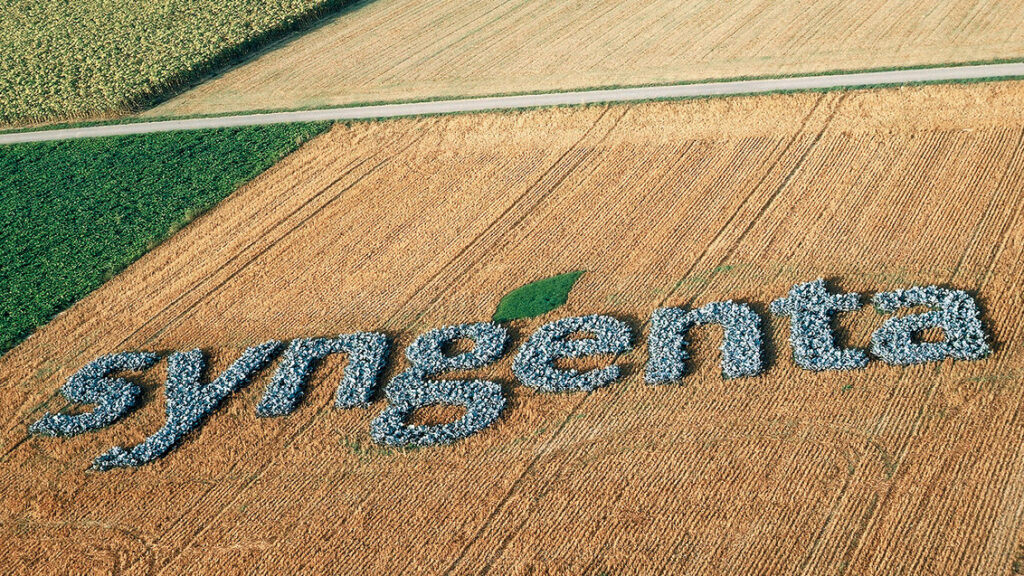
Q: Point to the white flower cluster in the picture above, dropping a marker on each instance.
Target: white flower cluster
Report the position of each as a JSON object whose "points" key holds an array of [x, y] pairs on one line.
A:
{"points": [[811, 308], [483, 399], [367, 354], [113, 397], [954, 312], [189, 401], [670, 327], [534, 364]]}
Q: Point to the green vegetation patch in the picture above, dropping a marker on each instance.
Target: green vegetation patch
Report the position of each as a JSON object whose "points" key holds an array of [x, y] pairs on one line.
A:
{"points": [[536, 298], [77, 59], [74, 213]]}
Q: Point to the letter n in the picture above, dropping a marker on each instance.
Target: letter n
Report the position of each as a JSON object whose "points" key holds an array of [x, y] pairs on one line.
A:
{"points": [[670, 327]]}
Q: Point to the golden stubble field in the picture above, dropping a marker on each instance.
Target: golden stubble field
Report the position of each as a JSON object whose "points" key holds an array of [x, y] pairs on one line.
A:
{"points": [[406, 225], [387, 50]]}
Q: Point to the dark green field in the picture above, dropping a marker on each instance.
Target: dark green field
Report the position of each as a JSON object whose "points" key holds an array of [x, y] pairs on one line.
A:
{"points": [[74, 213]]}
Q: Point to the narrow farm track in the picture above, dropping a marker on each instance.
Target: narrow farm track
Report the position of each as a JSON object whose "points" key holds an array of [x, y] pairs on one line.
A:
{"points": [[424, 50], [570, 98], [410, 224]]}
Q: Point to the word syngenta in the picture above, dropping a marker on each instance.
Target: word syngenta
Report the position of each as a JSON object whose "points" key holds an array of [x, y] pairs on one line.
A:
{"points": [[810, 308]]}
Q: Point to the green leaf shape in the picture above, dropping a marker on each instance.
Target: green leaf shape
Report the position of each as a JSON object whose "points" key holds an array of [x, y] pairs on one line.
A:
{"points": [[536, 298]]}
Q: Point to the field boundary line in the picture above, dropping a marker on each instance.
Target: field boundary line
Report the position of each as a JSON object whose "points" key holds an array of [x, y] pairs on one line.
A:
{"points": [[1000, 71], [191, 289], [261, 470], [350, 169]]}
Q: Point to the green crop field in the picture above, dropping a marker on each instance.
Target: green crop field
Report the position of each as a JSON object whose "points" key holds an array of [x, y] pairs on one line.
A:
{"points": [[96, 58], [74, 213]]}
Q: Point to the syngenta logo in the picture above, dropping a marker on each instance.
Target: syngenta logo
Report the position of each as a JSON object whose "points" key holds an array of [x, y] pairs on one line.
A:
{"points": [[810, 308]]}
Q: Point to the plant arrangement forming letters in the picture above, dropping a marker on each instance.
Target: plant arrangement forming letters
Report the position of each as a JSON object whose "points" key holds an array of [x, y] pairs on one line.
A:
{"points": [[811, 308]]}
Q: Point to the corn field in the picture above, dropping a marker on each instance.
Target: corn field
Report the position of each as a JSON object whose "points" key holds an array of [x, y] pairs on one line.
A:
{"points": [[404, 226], [96, 58]]}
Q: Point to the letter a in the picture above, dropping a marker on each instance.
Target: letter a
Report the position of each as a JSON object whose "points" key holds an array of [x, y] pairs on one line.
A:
{"points": [[954, 312]]}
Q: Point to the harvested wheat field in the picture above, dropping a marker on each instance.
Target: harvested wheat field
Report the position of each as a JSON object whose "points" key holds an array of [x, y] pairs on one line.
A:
{"points": [[387, 50], [412, 224]]}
